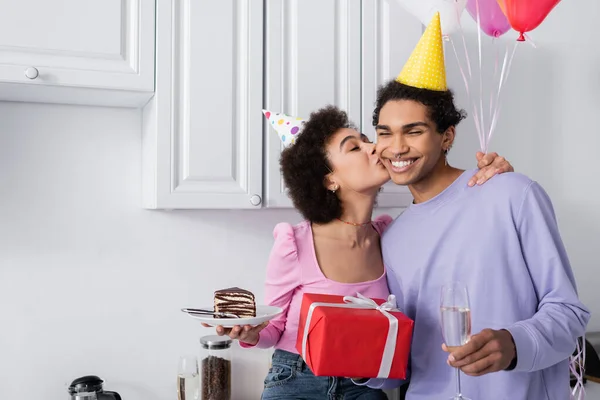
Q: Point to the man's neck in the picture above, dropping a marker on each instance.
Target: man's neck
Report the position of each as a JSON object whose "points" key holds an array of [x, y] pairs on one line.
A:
{"points": [[435, 183]]}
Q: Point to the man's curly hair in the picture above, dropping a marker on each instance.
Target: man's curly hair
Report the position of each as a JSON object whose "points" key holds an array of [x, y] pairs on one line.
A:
{"points": [[305, 165], [440, 104]]}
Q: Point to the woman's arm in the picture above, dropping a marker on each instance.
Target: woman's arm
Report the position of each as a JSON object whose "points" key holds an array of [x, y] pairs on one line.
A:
{"points": [[283, 277], [489, 165]]}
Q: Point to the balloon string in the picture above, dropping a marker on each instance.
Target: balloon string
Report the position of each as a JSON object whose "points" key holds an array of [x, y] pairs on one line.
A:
{"points": [[496, 61], [577, 369], [478, 128], [503, 76], [462, 34], [500, 82], [480, 72], [530, 41], [462, 71]]}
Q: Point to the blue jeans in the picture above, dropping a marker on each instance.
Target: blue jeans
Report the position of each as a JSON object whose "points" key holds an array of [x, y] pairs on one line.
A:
{"points": [[290, 379]]}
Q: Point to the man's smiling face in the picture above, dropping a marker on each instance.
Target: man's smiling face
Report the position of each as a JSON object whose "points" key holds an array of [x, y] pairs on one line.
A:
{"points": [[407, 141]]}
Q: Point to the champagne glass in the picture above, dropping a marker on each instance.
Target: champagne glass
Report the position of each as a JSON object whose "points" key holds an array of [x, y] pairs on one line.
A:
{"points": [[188, 379], [456, 322]]}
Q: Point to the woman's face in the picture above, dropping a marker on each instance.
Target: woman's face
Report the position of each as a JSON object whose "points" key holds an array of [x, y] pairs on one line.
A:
{"points": [[355, 164]]}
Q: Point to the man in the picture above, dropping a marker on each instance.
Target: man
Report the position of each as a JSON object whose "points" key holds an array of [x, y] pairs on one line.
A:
{"points": [[500, 239]]}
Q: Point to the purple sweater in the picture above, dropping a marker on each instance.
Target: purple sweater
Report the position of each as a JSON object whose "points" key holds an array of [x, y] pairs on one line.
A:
{"points": [[501, 239]]}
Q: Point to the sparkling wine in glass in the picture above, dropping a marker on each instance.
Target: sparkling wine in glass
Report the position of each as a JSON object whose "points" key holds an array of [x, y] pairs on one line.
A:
{"points": [[188, 379], [455, 314]]}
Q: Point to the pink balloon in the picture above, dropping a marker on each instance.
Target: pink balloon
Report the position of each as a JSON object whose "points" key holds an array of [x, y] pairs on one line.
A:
{"points": [[492, 20]]}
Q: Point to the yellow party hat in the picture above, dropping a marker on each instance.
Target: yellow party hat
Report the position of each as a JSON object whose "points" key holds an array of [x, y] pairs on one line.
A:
{"points": [[425, 67]]}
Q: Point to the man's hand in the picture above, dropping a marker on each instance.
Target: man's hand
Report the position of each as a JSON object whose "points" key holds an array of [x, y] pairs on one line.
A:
{"points": [[246, 334], [488, 351]]}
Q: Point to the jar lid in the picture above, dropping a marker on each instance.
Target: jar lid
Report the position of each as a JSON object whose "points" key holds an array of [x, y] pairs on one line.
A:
{"points": [[85, 384], [214, 342]]}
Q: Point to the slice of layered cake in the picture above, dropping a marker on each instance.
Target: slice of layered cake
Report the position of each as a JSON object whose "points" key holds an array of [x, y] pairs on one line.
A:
{"points": [[235, 301]]}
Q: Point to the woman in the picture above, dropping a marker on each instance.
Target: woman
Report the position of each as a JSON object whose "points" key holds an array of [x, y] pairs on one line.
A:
{"points": [[333, 176]]}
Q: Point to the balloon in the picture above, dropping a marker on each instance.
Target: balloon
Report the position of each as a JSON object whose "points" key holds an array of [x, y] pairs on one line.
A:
{"points": [[502, 6], [526, 15], [492, 20], [450, 12]]}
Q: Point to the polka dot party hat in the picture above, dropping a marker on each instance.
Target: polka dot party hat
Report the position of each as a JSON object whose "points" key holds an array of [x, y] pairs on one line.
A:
{"points": [[425, 67], [286, 126]]}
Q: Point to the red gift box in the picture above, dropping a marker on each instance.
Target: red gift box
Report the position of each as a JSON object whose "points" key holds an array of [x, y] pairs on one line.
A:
{"points": [[347, 336]]}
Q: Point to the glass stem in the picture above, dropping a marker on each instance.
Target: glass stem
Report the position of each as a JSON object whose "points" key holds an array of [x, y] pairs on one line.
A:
{"points": [[458, 390]]}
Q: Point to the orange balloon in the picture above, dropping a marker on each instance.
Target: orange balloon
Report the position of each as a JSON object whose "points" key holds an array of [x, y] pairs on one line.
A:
{"points": [[502, 6]]}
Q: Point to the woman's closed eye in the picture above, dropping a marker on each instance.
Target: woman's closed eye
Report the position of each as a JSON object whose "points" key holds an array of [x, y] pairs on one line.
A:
{"points": [[352, 145]]}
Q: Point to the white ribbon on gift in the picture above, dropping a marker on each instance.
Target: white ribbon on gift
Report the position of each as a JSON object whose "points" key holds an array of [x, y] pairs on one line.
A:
{"points": [[361, 301]]}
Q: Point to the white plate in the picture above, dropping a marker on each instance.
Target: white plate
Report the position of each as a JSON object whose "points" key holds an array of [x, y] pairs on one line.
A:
{"points": [[263, 313]]}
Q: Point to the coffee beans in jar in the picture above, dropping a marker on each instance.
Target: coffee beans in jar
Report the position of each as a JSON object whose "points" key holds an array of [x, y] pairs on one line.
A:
{"points": [[216, 378], [216, 367]]}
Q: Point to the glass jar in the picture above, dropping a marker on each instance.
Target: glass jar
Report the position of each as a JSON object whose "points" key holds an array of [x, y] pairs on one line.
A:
{"points": [[216, 367]]}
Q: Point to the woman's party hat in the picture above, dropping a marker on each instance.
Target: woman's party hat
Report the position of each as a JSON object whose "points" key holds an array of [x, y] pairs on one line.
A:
{"points": [[286, 126], [425, 67]]}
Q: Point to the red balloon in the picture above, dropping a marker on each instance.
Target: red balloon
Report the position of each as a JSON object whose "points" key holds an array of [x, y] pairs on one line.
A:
{"points": [[526, 15]]}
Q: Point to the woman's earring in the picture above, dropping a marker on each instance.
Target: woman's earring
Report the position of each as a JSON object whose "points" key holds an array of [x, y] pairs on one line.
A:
{"points": [[334, 189]]}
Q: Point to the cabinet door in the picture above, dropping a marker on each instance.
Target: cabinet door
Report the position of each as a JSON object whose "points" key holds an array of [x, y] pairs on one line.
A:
{"points": [[106, 44], [389, 35], [312, 60], [203, 128]]}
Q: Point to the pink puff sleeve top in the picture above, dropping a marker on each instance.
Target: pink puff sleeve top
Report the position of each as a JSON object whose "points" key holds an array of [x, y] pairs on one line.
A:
{"points": [[293, 270]]}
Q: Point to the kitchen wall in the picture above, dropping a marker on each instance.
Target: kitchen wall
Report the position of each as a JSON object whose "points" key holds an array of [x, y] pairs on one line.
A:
{"points": [[90, 283]]}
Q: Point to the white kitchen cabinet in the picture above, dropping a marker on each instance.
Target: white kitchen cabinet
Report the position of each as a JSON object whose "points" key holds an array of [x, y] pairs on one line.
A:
{"points": [[203, 129], [389, 35], [77, 51], [337, 52], [312, 56]]}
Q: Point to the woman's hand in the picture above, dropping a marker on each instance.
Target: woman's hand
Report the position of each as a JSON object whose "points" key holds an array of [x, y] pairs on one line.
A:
{"points": [[489, 165], [246, 334]]}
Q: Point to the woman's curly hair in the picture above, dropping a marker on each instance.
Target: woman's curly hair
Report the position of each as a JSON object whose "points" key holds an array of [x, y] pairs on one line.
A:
{"points": [[305, 165], [440, 104]]}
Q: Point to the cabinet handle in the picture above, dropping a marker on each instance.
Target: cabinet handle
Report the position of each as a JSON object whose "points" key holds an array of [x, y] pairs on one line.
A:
{"points": [[32, 73], [255, 200]]}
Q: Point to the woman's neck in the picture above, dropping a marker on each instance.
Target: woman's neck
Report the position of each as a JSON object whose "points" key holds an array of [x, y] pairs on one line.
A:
{"points": [[354, 224]]}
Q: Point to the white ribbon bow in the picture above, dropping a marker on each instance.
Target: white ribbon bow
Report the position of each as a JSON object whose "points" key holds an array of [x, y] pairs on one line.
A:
{"points": [[361, 301], [389, 305]]}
